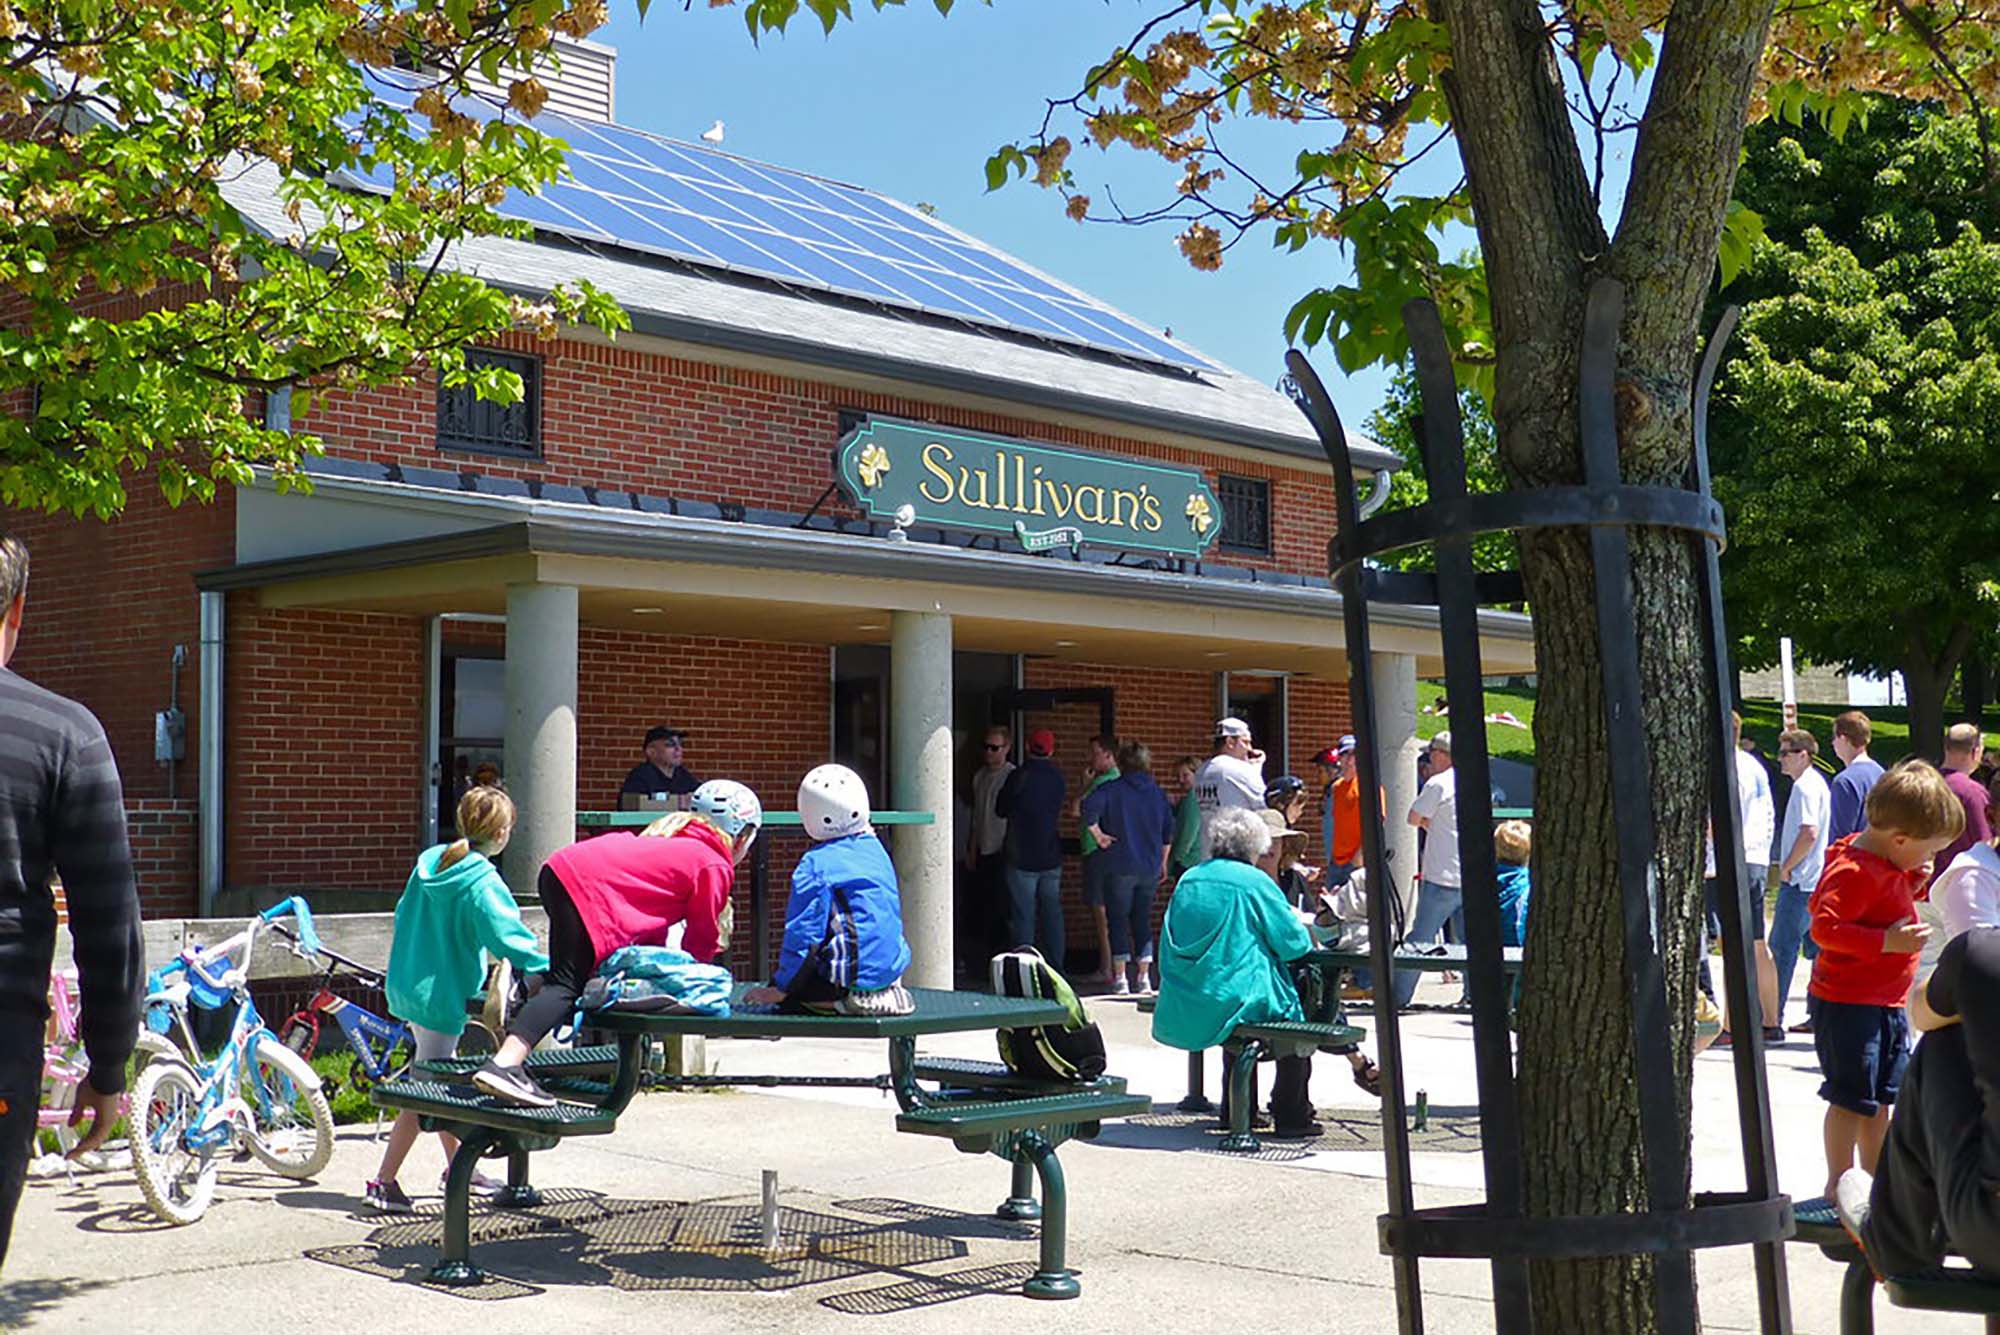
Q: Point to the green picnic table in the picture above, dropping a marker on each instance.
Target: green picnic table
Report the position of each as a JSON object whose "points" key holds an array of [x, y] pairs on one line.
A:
{"points": [[760, 861], [981, 1107]]}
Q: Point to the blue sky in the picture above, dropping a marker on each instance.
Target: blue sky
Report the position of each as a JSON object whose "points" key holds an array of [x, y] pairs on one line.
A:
{"points": [[911, 104]]}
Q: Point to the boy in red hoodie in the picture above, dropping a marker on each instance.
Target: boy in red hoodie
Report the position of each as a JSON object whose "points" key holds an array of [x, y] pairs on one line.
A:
{"points": [[1864, 920]]}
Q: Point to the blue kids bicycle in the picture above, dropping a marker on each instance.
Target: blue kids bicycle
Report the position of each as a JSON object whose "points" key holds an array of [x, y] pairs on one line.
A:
{"points": [[188, 1113], [382, 1047]]}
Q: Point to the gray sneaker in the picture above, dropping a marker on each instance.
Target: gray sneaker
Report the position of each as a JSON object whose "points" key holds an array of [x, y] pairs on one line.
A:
{"points": [[512, 1084], [388, 1198], [891, 1000]]}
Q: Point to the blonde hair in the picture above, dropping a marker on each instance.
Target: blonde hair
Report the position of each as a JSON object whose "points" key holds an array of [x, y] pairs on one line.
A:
{"points": [[1512, 840], [485, 818], [671, 824], [1913, 799]]}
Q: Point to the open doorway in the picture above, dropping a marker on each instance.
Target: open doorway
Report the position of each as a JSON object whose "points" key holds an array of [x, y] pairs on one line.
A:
{"points": [[1258, 698]]}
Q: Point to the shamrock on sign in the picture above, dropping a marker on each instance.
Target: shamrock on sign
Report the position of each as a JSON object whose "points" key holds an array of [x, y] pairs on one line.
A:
{"points": [[1198, 513], [874, 462]]}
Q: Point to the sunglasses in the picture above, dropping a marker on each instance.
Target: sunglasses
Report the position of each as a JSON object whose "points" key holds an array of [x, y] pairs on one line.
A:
{"points": [[996, 746], [1790, 751]]}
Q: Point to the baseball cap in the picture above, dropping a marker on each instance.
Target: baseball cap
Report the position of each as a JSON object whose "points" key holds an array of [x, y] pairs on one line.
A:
{"points": [[1346, 743], [663, 733], [1232, 727], [1041, 742], [1276, 821], [1441, 742]]}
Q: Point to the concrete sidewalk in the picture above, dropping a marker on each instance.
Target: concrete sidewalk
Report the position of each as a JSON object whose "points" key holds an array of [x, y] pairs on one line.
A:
{"points": [[654, 1227]]}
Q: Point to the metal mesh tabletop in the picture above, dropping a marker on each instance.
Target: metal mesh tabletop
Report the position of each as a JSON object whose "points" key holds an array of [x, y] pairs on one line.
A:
{"points": [[937, 1012]]}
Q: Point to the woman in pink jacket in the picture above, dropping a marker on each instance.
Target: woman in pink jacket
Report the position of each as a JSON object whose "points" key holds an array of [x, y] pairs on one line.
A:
{"points": [[621, 890]]}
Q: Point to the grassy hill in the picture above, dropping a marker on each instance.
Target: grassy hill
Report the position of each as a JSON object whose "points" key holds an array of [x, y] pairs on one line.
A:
{"points": [[1762, 719]]}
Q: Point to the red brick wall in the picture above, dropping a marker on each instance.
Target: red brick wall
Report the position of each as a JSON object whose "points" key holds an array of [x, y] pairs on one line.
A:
{"points": [[757, 712], [636, 421], [166, 858], [325, 747]]}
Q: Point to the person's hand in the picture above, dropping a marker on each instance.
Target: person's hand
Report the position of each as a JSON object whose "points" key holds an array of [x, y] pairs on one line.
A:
{"points": [[1906, 938], [1103, 840], [763, 996], [102, 1109], [1313, 875], [1255, 757]]}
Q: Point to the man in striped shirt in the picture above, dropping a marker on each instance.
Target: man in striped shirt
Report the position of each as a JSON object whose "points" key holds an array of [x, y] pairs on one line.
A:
{"points": [[61, 812]]}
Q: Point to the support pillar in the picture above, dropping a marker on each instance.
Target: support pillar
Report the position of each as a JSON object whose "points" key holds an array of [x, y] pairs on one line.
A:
{"points": [[920, 780], [1395, 678], [540, 769]]}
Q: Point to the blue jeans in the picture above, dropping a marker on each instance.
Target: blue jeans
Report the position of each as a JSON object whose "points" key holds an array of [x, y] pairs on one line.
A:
{"points": [[1436, 905], [1128, 911], [1035, 917], [1790, 924]]}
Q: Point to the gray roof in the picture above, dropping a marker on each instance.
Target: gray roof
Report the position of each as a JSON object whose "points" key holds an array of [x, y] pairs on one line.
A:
{"points": [[674, 300]]}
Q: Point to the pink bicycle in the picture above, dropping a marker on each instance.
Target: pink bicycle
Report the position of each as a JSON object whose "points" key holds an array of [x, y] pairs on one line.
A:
{"points": [[65, 1066]]}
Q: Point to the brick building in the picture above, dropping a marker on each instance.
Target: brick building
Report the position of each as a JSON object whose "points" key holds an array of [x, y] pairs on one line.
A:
{"points": [[661, 533]]}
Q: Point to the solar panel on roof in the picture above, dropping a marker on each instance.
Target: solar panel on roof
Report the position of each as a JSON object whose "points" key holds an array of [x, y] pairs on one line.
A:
{"points": [[693, 203]]}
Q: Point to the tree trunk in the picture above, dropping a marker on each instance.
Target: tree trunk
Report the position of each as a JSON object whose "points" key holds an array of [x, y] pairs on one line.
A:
{"points": [[1543, 242], [1927, 676], [1972, 687]]}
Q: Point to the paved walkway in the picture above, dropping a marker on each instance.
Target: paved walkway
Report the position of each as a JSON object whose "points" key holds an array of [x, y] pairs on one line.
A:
{"points": [[653, 1228]]}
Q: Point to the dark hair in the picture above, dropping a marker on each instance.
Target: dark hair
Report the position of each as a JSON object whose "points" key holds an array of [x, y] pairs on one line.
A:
{"points": [[1798, 739], [13, 569], [1853, 725], [1108, 745]]}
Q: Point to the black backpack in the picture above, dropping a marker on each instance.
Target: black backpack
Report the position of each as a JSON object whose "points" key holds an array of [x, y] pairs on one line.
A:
{"points": [[1070, 1051]]}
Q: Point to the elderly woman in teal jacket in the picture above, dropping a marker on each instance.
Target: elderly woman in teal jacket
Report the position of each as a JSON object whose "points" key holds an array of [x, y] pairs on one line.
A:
{"points": [[1228, 935]]}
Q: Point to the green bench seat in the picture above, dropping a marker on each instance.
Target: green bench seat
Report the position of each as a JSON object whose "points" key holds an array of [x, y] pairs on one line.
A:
{"points": [[556, 1062], [999, 1078], [1025, 1132], [450, 1106], [1817, 1223], [486, 1125], [1248, 1043]]}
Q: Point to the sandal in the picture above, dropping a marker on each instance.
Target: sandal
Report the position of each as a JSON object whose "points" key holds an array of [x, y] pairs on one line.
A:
{"points": [[1369, 1077]]}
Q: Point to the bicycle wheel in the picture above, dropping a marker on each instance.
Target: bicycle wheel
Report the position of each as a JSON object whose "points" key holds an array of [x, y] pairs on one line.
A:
{"points": [[476, 1040], [291, 1126], [176, 1181]]}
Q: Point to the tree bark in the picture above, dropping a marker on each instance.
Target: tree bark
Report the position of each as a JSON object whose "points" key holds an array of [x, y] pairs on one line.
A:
{"points": [[1972, 687], [1927, 676], [1542, 243]]}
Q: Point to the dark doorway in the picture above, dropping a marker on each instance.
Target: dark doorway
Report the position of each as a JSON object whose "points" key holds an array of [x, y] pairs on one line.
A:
{"points": [[1259, 700], [471, 723]]}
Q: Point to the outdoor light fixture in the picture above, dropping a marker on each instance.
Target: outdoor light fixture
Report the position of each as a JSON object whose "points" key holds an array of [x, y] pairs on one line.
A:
{"points": [[649, 611]]}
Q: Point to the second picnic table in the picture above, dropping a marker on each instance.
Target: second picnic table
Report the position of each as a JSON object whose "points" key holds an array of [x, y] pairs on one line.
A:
{"points": [[980, 1106]]}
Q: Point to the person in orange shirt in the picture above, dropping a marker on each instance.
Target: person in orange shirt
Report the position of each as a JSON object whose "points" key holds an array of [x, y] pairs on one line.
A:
{"points": [[1864, 919], [1340, 811]]}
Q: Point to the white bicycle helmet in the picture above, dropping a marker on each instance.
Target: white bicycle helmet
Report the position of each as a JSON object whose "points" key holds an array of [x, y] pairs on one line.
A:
{"points": [[729, 804], [833, 802]]}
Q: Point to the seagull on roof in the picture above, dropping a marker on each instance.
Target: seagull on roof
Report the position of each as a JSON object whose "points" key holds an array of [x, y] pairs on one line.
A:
{"points": [[713, 134]]}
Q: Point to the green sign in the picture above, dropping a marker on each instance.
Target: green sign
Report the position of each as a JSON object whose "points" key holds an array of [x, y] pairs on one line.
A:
{"points": [[1038, 495]]}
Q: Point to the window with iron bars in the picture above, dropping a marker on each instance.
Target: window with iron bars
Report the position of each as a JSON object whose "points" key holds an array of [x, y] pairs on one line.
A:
{"points": [[1246, 514], [467, 422]]}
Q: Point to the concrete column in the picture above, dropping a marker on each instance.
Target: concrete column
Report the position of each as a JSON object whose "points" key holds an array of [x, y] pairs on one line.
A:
{"points": [[541, 726], [920, 763], [1395, 678]]}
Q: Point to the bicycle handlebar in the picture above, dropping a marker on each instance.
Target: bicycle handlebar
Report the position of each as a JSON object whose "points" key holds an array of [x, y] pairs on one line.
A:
{"points": [[367, 971], [297, 909]]}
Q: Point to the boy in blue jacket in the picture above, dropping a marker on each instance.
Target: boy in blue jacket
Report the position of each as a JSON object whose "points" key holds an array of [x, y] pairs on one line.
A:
{"points": [[844, 950]]}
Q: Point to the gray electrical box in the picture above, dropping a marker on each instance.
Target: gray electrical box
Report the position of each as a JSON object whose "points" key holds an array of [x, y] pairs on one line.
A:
{"points": [[169, 736]]}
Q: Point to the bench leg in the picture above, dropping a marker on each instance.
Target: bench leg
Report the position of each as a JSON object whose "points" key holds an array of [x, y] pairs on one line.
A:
{"points": [[1857, 1300], [455, 1266], [1196, 1101], [517, 1194], [1054, 1278], [1021, 1204], [1243, 1101]]}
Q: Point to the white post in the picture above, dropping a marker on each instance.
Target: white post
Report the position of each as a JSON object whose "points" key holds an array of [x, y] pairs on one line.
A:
{"points": [[540, 762], [1791, 701], [1395, 678], [920, 770]]}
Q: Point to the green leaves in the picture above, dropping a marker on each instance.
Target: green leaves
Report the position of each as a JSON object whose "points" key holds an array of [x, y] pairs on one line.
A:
{"points": [[762, 16], [1742, 229], [148, 316]]}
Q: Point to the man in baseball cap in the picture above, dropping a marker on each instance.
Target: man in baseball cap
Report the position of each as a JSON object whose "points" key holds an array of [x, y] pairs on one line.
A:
{"points": [[1233, 776], [1340, 811], [661, 774]]}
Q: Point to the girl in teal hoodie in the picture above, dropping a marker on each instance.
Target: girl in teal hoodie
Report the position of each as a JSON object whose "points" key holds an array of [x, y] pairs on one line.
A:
{"points": [[454, 911]]}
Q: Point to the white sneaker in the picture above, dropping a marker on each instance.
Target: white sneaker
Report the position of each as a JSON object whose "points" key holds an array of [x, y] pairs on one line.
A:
{"points": [[1119, 987], [1850, 1201]]}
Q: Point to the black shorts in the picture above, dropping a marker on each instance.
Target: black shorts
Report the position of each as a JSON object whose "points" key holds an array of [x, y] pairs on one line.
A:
{"points": [[1753, 880], [1862, 1053]]}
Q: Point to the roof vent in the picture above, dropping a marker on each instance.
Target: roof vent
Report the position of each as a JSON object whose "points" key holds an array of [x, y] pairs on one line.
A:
{"points": [[578, 75]]}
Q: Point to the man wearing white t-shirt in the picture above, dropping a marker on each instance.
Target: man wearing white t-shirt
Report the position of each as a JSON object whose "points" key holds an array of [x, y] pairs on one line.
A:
{"points": [[1233, 776], [1808, 819], [1757, 816], [1441, 891]]}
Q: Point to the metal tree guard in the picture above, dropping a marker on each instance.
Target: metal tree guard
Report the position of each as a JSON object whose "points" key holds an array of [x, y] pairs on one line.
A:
{"points": [[1499, 1230]]}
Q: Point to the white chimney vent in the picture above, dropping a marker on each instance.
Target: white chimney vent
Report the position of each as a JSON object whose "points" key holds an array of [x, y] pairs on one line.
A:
{"points": [[578, 75]]}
